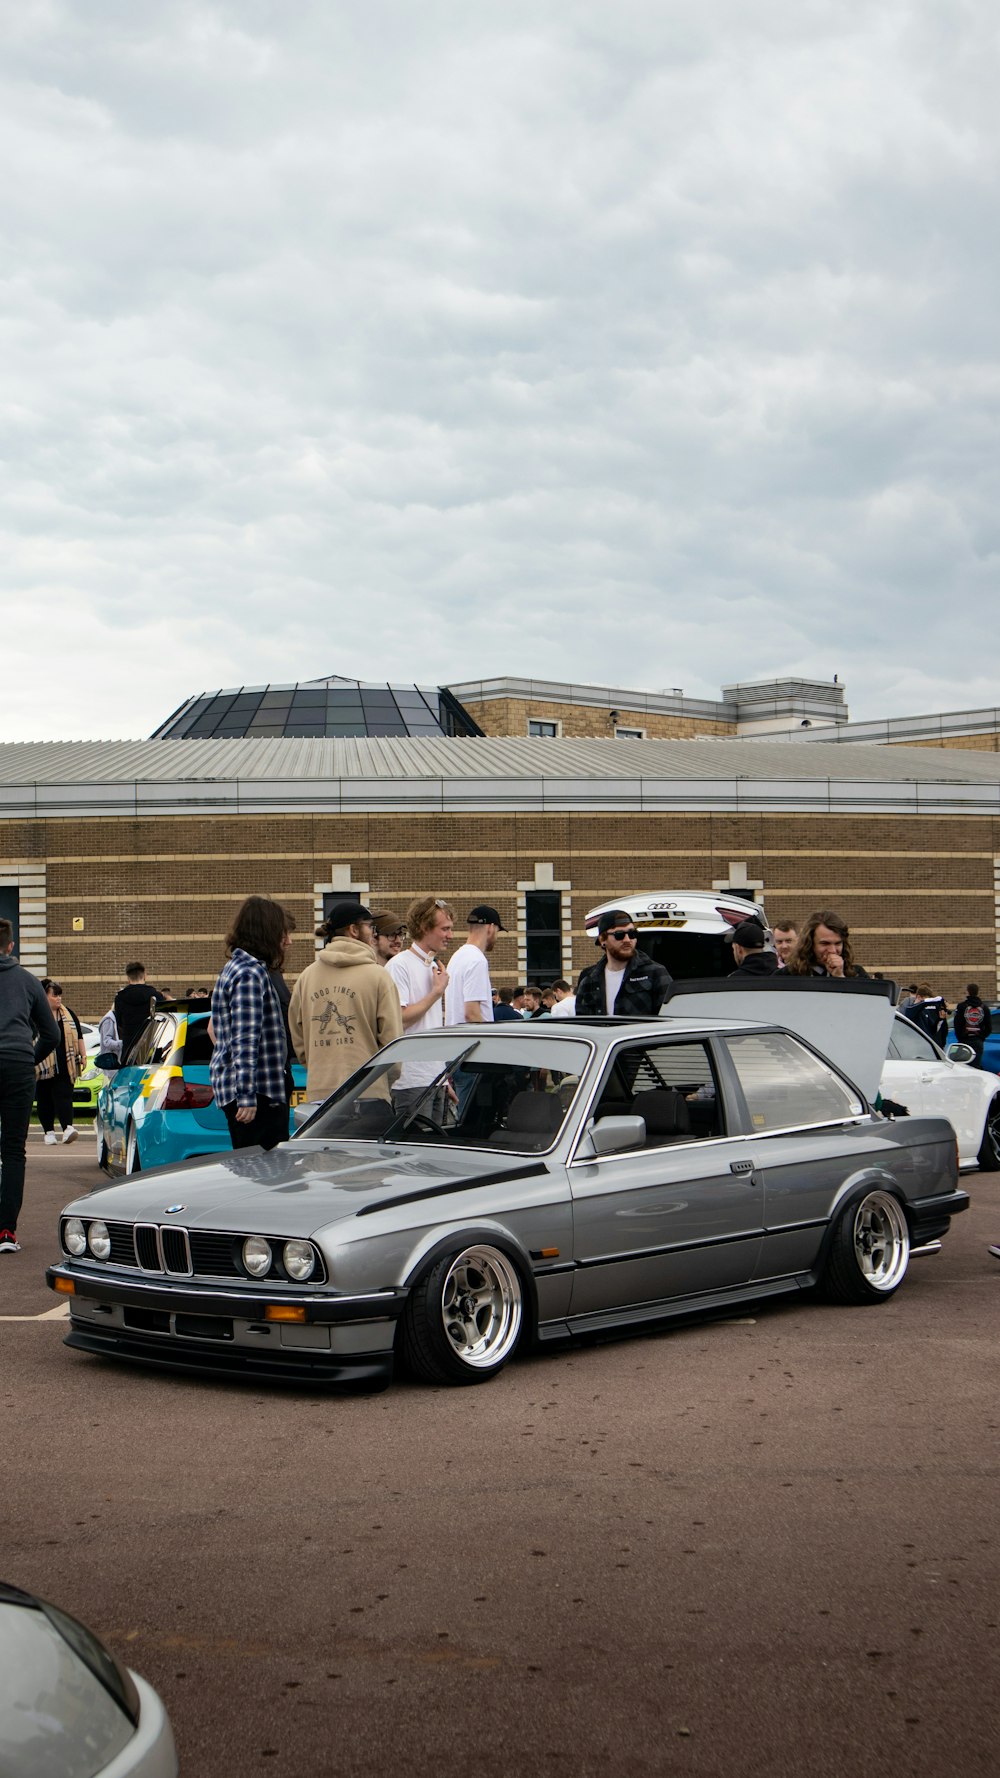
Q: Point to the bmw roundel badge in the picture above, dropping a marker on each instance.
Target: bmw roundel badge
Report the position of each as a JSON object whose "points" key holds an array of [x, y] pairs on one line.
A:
{"points": [[172, 1209]]}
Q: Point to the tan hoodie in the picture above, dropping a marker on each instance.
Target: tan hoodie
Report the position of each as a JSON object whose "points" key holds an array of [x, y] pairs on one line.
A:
{"points": [[344, 1007]]}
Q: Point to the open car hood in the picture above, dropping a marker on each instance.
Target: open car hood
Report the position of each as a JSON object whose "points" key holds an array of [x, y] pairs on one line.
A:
{"points": [[849, 1022]]}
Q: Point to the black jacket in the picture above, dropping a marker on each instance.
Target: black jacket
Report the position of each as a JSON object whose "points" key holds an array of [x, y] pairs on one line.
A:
{"points": [[756, 963], [977, 1028], [645, 986]]}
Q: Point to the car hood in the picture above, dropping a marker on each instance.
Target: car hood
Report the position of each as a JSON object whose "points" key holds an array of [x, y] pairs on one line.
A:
{"points": [[850, 1022], [295, 1189]]}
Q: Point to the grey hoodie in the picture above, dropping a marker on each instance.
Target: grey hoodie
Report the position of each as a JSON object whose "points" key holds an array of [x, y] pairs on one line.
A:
{"points": [[27, 1028], [344, 1008]]}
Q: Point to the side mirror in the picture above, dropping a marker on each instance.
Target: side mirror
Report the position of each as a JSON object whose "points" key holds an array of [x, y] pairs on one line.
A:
{"points": [[611, 1135], [107, 1061], [960, 1052]]}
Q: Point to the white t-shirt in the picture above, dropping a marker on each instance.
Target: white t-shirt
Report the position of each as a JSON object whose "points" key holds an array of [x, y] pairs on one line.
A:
{"points": [[612, 982], [564, 1008], [414, 974], [468, 979]]}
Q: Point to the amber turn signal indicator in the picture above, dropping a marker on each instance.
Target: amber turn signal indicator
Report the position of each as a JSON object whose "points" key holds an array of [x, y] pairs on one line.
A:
{"points": [[65, 1286], [550, 1253], [283, 1312]]}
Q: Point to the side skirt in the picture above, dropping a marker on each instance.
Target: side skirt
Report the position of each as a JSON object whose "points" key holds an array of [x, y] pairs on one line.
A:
{"points": [[718, 1302]]}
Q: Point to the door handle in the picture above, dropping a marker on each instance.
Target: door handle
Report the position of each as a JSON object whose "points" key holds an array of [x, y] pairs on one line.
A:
{"points": [[741, 1166]]}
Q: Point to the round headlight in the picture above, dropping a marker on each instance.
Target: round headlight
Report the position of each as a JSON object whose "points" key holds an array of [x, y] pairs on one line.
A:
{"points": [[99, 1241], [74, 1237], [257, 1256], [300, 1260]]}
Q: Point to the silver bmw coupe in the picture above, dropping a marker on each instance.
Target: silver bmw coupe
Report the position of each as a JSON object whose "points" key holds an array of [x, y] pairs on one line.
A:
{"points": [[546, 1182]]}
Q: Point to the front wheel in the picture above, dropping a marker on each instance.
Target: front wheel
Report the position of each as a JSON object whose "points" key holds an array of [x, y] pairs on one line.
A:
{"points": [[463, 1320], [869, 1252], [989, 1148]]}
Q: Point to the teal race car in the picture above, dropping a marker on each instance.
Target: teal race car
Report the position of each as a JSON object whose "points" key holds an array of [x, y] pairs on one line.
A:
{"points": [[158, 1108]]}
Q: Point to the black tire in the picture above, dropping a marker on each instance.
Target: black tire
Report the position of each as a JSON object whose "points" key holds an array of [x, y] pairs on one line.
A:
{"points": [[989, 1148], [463, 1319], [869, 1251]]}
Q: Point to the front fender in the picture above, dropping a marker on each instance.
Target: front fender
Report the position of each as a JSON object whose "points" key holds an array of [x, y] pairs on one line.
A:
{"points": [[435, 1246]]}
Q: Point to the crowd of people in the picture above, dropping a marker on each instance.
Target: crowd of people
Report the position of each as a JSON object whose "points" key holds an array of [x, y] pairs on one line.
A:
{"points": [[376, 977]]}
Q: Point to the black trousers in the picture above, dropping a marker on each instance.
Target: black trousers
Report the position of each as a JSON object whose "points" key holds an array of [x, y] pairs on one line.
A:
{"points": [[55, 1101], [17, 1090], [269, 1127]]}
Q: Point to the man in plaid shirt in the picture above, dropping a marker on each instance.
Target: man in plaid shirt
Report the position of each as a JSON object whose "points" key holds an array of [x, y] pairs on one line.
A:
{"points": [[248, 1063]]}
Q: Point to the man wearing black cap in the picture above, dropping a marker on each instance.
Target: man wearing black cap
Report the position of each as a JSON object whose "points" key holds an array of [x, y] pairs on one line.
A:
{"points": [[469, 999], [752, 958], [343, 1007], [625, 982]]}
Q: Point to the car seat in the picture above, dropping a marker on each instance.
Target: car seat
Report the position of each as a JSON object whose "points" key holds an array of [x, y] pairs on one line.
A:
{"points": [[532, 1120], [665, 1114]]}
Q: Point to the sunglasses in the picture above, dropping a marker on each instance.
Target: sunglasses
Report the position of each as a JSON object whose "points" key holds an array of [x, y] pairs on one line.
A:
{"points": [[621, 932]]}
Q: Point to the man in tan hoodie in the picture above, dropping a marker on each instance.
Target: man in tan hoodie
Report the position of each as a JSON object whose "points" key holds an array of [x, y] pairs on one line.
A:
{"points": [[344, 1007]]}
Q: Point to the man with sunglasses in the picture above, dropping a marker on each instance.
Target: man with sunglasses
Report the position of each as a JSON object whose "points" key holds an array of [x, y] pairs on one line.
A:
{"points": [[390, 931], [625, 982]]}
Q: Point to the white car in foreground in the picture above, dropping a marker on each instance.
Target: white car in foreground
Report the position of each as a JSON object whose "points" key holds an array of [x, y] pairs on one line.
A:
{"points": [[920, 1076]]}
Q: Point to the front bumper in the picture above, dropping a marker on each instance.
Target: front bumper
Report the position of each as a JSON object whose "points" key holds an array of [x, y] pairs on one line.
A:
{"points": [[225, 1332]]}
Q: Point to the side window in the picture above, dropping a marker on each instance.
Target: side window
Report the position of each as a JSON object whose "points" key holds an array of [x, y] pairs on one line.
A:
{"points": [[198, 1045], [907, 1044], [671, 1086], [784, 1084], [142, 1048], [162, 1041]]}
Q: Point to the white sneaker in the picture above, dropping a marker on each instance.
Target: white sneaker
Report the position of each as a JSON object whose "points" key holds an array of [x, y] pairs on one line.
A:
{"points": [[50, 1136], [71, 1134]]}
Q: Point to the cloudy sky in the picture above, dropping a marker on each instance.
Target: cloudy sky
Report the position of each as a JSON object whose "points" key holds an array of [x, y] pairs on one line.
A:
{"points": [[649, 344]]}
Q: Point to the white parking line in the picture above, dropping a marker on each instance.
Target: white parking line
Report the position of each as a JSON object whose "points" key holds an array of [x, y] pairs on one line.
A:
{"points": [[59, 1313]]}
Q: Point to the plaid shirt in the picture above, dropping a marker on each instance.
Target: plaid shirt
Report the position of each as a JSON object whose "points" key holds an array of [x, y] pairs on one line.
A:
{"points": [[248, 1062]]}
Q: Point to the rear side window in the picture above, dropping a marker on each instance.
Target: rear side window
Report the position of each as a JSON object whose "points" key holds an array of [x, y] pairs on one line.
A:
{"points": [[198, 1046], [671, 1086], [162, 1039], [784, 1084]]}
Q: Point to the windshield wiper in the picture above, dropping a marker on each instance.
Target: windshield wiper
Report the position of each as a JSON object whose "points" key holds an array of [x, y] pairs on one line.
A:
{"points": [[406, 1118]]}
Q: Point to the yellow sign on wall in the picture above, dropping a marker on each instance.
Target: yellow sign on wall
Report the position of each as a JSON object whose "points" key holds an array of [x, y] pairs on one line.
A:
{"points": [[77, 922]]}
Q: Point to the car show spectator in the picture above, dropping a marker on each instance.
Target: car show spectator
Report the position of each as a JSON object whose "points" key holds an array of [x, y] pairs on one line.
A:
{"points": [[625, 981], [563, 1000], [422, 982], [973, 1022], [786, 937], [61, 1069], [28, 1035], [750, 951], [824, 948], [929, 1012], [390, 931], [503, 1012], [469, 998], [344, 1006], [247, 1069], [133, 1004], [531, 1004]]}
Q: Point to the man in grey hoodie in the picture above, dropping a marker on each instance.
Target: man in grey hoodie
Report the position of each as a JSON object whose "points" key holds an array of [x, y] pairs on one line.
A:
{"points": [[28, 1034]]}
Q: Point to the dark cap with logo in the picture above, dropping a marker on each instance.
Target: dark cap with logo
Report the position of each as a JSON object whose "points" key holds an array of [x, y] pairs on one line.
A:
{"points": [[486, 916]]}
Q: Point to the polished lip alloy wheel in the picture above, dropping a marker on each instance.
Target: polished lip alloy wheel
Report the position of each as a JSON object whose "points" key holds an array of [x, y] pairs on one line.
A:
{"points": [[881, 1240], [481, 1306]]}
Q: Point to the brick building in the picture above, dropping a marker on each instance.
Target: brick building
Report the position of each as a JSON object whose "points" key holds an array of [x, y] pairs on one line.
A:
{"points": [[110, 851]]}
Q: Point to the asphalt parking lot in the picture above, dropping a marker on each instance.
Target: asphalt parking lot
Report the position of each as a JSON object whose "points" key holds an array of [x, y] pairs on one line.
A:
{"points": [[767, 1545]]}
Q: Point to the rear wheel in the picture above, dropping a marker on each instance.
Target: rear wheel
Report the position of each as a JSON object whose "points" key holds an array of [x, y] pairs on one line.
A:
{"points": [[132, 1162], [869, 1252], [989, 1148], [463, 1320]]}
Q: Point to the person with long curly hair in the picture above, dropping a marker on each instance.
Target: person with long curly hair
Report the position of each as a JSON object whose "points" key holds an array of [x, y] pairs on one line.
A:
{"points": [[248, 1067], [824, 948]]}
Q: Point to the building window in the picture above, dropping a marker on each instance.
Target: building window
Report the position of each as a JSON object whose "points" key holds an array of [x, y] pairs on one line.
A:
{"points": [[630, 734], [544, 934], [539, 730]]}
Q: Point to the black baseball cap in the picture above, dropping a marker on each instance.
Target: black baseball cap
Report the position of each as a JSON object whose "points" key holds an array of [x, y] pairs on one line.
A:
{"points": [[750, 935], [614, 917], [485, 916], [345, 913]]}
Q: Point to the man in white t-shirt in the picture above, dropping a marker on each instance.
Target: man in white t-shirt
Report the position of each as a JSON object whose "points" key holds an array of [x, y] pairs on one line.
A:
{"points": [[563, 1001], [469, 1000], [422, 981]]}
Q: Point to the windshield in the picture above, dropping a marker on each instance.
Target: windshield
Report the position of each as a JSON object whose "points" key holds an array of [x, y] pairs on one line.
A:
{"points": [[508, 1094]]}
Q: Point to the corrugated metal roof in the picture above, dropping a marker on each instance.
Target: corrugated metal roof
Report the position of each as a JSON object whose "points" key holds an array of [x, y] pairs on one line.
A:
{"points": [[411, 758]]}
